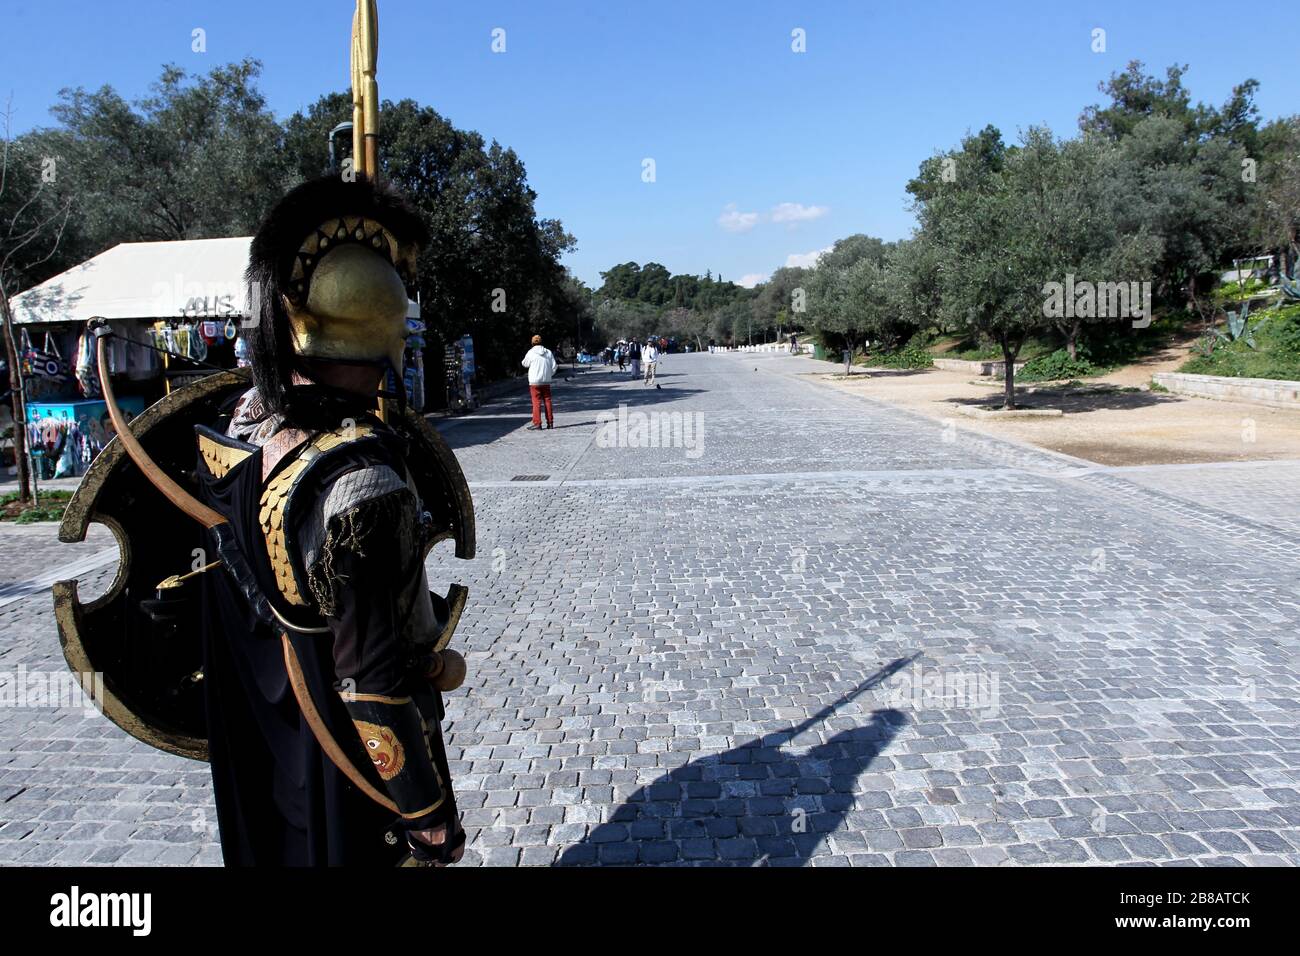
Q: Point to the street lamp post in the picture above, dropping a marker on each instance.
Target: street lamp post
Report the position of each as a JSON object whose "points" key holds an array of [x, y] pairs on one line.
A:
{"points": [[341, 128]]}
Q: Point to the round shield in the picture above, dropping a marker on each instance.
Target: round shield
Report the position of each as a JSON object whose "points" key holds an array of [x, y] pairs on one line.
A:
{"points": [[138, 644], [143, 641]]}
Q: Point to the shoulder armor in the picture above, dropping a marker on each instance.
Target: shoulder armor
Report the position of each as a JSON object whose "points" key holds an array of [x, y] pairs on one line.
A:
{"points": [[222, 455], [277, 498]]}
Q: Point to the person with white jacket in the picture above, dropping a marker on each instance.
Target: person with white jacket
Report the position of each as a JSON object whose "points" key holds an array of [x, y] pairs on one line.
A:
{"points": [[540, 362], [651, 356]]}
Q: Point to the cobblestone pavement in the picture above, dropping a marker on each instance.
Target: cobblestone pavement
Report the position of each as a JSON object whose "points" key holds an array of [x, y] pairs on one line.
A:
{"points": [[820, 631]]}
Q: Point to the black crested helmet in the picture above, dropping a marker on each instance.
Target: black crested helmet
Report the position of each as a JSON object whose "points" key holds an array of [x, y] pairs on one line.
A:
{"points": [[327, 277]]}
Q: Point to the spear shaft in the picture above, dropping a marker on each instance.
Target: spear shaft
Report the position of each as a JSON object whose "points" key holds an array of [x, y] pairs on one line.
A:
{"points": [[365, 90]]}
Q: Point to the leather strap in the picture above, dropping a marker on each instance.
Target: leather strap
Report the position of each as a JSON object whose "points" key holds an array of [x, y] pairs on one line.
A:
{"points": [[323, 737]]}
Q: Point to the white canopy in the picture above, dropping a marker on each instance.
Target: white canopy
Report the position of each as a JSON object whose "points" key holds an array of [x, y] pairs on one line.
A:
{"points": [[195, 278]]}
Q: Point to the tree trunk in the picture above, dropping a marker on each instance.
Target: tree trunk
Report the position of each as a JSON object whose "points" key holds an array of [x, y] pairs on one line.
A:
{"points": [[1009, 353], [18, 403], [1072, 340]]}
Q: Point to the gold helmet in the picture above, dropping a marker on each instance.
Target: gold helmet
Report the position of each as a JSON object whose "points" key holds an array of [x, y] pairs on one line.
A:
{"points": [[328, 275]]}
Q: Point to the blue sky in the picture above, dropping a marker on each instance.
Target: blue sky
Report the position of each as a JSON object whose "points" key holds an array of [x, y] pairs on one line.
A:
{"points": [[761, 154]]}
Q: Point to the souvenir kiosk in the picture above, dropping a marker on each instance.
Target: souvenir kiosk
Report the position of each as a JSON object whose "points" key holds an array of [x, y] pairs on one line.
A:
{"points": [[166, 302], [185, 299]]}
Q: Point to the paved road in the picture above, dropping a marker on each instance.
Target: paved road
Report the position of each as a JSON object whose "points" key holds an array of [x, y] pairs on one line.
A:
{"points": [[806, 629]]}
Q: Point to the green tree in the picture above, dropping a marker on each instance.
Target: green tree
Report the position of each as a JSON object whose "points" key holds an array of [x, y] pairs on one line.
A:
{"points": [[198, 158], [1182, 170], [774, 302], [1275, 213], [1074, 224], [1136, 95], [1190, 195], [845, 291], [913, 283], [34, 218], [990, 270]]}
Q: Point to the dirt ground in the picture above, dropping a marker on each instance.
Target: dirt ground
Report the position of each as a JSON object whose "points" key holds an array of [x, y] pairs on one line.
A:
{"points": [[1113, 420]]}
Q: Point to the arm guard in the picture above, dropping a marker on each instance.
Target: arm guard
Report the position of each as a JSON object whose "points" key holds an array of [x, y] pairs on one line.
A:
{"points": [[366, 575], [396, 739]]}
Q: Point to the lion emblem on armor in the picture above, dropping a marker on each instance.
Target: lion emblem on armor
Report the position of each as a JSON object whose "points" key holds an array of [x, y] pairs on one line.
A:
{"points": [[384, 748]]}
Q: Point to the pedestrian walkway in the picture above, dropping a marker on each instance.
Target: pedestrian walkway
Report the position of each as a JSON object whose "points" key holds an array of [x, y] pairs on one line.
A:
{"points": [[800, 628]]}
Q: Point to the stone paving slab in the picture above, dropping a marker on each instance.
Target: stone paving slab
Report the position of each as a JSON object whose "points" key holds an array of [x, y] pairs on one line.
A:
{"points": [[950, 652], [1267, 492], [27, 549]]}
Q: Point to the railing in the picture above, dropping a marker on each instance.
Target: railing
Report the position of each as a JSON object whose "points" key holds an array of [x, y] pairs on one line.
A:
{"points": [[768, 347]]}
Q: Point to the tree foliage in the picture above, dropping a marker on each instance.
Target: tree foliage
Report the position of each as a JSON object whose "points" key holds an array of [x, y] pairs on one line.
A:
{"points": [[1155, 189], [201, 157], [636, 301]]}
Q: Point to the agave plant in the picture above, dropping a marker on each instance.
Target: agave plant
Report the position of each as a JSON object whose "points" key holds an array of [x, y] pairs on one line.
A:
{"points": [[1290, 286], [1239, 327], [1239, 330]]}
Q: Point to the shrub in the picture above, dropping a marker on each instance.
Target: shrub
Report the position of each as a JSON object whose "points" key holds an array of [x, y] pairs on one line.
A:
{"points": [[1276, 354], [909, 356], [51, 507], [1056, 366]]}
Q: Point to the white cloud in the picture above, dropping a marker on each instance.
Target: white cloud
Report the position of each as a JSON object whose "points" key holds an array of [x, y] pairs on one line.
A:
{"points": [[751, 280], [806, 260], [797, 212], [791, 213], [733, 220]]}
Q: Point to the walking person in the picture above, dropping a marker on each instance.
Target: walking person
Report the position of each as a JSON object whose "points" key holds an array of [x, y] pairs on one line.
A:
{"points": [[651, 359], [634, 355], [540, 362], [620, 353]]}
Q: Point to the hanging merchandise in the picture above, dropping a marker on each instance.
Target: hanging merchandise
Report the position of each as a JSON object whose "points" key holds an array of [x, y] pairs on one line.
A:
{"points": [[119, 355], [44, 363], [46, 439], [54, 435], [69, 463], [96, 436], [87, 372], [211, 331], [64, 437], [243, 355], [231, 330], [188, 342], [26, 353], [45, 371], [413, 371]]}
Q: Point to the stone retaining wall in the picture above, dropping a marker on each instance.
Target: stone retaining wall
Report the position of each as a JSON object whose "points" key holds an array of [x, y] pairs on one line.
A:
{"points": [[1253, 391], [991, 367]]}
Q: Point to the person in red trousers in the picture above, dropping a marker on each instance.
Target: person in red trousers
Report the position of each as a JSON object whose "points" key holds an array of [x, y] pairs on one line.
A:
{"points": [[540, 362]]}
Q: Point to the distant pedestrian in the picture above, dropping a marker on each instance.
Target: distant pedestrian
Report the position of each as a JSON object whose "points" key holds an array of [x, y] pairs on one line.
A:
{"points": [[634, 356], [540, 362], [620, 353], [651, 360]]}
